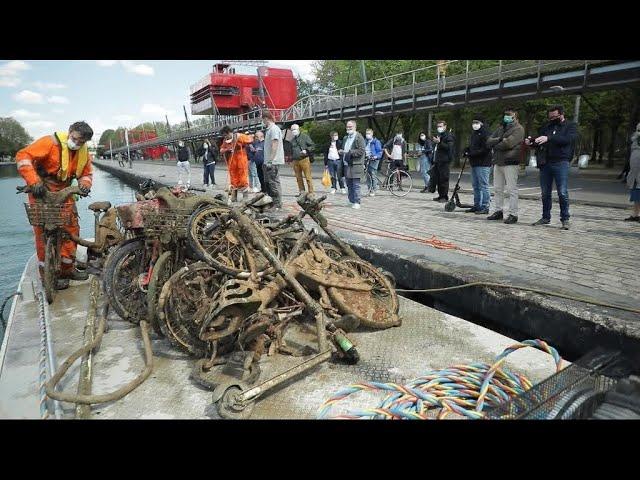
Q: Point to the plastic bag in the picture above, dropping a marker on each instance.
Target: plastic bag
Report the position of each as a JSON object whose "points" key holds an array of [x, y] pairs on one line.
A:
{"points": [[326, 178], [583, 161], [533, 161]]}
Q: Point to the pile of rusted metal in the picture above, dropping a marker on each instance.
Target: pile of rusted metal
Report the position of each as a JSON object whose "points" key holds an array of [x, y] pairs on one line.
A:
{"points": [[224, 283]]}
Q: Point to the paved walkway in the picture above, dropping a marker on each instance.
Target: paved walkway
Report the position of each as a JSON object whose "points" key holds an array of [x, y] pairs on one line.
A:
{"points": [[599, 256]]}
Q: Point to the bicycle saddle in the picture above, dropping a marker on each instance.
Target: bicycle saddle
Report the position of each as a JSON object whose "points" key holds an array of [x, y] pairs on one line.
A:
{"points": [[100, 206]]}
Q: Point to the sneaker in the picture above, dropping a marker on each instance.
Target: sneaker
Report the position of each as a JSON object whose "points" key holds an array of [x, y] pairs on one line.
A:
{"points": [[482, 212], [542, 221], [565, 224], [424, 190], [632, 219], [332, 191], [343, 191], [356, 206], [497, 215], [511, 219], [471, 210], [372, 194]]}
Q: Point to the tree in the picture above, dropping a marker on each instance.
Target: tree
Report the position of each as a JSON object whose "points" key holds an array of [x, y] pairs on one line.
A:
{"points": [[13, 136]]}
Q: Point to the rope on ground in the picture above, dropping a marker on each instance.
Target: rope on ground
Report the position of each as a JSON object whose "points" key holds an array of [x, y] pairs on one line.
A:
{"points": [[42, 364], [461, 389], [4, 303], [525, 289], [103, 398]]}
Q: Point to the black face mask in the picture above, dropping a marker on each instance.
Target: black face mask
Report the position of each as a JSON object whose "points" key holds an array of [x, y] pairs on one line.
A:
{"points": [[555, 121]]}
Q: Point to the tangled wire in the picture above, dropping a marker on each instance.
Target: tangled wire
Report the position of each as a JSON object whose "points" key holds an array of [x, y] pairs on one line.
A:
{"points": [[460, 389]]}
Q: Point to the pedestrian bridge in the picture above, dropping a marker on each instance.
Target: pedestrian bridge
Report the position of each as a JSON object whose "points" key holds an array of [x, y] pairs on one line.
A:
{"points": [[407, 92]]}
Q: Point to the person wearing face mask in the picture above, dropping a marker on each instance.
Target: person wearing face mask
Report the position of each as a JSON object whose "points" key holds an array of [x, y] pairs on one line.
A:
{"points": [[209, 154], [352, 156], [233, 150], [183, 165], [396, 150], [273, 158], [301, 150], [633, 177], [425, 147], [444, 146], [479, 155], [334, 164], [557, 138], [51, 163], [506, 142], [373, 153]]}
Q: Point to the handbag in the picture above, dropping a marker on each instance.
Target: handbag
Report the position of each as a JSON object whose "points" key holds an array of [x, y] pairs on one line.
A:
{"points": [[326, 178]]}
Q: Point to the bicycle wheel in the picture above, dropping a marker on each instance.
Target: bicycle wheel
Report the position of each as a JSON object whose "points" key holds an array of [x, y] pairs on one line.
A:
{"points": [[183, 303], [162, 270], [399, 183], [213, 237], [51, 265], [368, 182], [124, 280]]}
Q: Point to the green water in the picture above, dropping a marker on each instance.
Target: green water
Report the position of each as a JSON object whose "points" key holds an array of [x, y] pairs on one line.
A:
{"points": [[16, 235]]}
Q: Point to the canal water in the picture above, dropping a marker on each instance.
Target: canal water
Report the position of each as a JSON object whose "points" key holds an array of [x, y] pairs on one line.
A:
{"points": [[16, 235]]}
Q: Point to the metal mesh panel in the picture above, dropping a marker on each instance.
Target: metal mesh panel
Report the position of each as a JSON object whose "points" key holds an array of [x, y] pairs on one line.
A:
{"points": [[544, 399], [40, 214], [167, 222]]}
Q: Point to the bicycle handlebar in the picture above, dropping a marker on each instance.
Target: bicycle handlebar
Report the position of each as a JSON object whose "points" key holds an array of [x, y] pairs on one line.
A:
{"points": [[54, 198]]}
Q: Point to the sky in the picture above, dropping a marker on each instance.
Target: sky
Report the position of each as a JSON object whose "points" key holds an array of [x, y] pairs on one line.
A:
{"points": [[49, 95]]}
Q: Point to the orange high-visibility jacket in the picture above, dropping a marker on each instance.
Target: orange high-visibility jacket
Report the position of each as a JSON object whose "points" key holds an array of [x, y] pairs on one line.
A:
{"points": [[237, 161], [42, 158]]}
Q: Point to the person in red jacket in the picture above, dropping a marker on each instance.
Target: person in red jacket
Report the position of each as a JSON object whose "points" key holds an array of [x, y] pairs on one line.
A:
{"points": [[52, 163]]}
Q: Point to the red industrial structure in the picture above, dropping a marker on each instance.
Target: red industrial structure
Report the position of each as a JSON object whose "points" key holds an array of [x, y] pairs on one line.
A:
{"points": [[141, 135], [225, 92]]}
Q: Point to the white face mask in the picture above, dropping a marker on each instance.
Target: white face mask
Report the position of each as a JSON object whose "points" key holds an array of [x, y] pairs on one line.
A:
{"points": [[475, 126], [350, 131], [369, 136], [72, 145], [423, 137], [335, 138], [229, 140], [181, 144], [295, 132], [206, 146], [441, 129]]}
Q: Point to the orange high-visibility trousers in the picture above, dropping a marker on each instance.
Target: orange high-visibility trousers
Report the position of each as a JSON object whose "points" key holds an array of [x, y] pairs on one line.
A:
{"points": [[67, 246]]}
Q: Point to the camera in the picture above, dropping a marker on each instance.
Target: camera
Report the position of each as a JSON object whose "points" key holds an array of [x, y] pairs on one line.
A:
{"points": [[532, 140]]}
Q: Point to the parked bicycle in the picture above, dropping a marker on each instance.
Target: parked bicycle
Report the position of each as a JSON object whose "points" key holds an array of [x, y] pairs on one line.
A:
{"points": [[396, 180]]}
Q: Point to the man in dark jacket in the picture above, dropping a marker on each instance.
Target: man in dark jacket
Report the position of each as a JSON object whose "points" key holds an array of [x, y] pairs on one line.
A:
{"points": [[209, 153], [556, 140], [301, 149], [506, 142], [444, 146], [184, 167], [479, 155], [256, 160], [352, 156]]}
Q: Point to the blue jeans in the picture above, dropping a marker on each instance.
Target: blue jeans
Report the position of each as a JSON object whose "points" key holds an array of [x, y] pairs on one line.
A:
{"points": [[480, 181], [558, 172], [254, 180], [353, 184], [425, 166], [372, 182], [335, 170], [209, 172]]}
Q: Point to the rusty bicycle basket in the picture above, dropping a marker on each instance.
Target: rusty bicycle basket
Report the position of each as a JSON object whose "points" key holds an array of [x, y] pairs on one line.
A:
{"points": [[166, 224], [41, 214]]}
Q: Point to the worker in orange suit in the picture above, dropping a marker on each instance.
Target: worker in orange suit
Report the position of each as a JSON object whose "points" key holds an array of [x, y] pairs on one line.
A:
{"points": [[234, 151], [52, 163]]}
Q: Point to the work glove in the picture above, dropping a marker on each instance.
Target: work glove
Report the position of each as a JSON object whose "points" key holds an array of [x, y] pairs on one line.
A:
{"points": [[84, 189], [38, 190]]}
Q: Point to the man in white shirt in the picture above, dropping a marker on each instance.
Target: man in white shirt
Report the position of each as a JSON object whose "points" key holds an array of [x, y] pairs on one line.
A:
{"points": [[273, 157]]}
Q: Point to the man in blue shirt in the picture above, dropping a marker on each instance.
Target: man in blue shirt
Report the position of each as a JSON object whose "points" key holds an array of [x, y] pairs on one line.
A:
{"points": [[373, 153]]}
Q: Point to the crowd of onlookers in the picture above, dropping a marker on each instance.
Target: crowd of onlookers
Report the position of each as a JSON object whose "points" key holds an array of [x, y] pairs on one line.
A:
{"points": [[253, 162]]}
